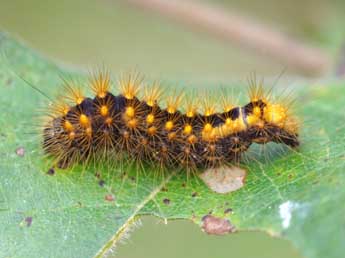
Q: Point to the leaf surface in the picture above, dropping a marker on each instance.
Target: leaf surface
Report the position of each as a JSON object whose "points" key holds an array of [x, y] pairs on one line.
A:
{"points": [[298, 195]]}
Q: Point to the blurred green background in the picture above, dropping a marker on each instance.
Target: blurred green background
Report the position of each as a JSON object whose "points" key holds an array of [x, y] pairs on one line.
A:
{"points": [[87, 34]]}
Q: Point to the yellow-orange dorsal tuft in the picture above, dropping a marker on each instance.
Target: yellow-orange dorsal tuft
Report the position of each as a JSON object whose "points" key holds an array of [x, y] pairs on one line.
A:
{"points": [[191, 109], [73, 92], [173, 103], [257, 111], [152, 130], [132, 123], [59, 108], [187, 129], [208, 106], [130, 85], [275, 114], [256, 89], [252, 119], [208, 132], [100, 84], [192, 139], [169, 125], [150, 118], [152, 94], [68, 126], [130, 112], [104, 110], [84, 120]]}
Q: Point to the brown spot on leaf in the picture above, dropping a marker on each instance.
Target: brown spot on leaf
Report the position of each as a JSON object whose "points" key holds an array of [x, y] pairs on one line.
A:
{"points": [[224, 179], [28, 221], [228, 210], [216, 226], [166, 201], [51, 171], [194, 194], [164, 189], [109, 197], [20, 151], [9, 82]]}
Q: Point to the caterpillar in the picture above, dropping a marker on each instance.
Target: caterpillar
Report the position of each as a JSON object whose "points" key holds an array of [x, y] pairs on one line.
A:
{"points": [[80, 129]]}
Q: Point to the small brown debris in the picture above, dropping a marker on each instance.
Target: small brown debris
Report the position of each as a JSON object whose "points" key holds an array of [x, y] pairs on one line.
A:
{"points": [[166, 201], [164, 189], [51, 171], [224, 179], [28, 221], [194, 194], [228, 210], [8, 82], [109, 197], [20, 151], [217, 226]]}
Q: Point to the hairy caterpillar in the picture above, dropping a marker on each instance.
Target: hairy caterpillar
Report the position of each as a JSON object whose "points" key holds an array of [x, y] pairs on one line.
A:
{"points": [[80, 129]]}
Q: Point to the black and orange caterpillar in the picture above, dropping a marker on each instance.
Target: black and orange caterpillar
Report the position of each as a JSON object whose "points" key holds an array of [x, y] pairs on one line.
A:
{"points": [[80, 129]]}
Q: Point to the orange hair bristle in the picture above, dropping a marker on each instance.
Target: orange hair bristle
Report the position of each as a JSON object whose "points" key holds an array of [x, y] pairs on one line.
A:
{"points": [[82, 128]]}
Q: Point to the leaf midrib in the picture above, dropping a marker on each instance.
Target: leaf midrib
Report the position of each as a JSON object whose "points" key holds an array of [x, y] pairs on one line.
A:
{"points": [[129, 221]]}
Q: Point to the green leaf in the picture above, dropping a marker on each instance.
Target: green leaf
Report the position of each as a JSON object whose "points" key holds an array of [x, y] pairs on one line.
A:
{"points": [[297, 195]]}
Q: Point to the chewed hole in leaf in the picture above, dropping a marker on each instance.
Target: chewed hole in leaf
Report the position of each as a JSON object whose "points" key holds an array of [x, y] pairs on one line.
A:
{"points": [[217, 226]]}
